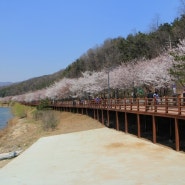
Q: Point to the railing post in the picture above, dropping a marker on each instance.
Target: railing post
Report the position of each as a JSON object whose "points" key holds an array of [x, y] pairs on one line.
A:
{"points": [[155, 105], [137, 100], [119, 104], [179, 105], [146, 104], [131, 102], [125, 106], [166, 105]]}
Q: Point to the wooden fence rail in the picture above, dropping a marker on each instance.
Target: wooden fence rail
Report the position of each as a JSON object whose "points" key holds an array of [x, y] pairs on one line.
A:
{"points": [[164, 106]]}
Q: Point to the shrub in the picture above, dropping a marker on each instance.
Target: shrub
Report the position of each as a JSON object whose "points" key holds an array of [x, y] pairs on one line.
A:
{"points": [[43, 104], [49, 118], [20, 110], [38, 114]]}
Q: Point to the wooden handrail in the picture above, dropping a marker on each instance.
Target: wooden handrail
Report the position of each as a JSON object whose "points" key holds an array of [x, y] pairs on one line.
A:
{"points": [[166, 105]]}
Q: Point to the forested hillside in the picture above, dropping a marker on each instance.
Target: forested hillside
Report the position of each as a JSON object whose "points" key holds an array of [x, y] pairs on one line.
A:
{"points": [[164, 74], [113, 52]]}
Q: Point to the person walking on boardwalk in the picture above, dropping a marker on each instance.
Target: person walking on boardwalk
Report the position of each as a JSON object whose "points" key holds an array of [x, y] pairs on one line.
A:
{"points": [[156, 97]]}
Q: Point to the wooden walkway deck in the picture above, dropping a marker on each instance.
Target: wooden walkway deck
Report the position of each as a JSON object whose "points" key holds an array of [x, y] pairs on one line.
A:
{"points": [[166, 107], [170, 108]]}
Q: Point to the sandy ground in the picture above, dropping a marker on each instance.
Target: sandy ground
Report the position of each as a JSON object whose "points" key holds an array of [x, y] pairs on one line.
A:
{"points": [[21, 133], [85, 152]]}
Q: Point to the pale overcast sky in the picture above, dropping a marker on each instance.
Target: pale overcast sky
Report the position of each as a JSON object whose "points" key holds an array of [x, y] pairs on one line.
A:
{"points": [[40, 37]]}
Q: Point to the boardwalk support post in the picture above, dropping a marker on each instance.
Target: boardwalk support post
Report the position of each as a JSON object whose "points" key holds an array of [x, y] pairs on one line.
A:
{"points": [[102, 117], [126, 123], [94, 113], [97, 114], [117, 121], [138, 126], [108, 119], [154, 129], [176, 135]]}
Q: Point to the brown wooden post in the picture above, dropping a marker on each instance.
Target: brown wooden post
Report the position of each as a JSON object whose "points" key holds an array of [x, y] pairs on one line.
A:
{"points": [[82, 111], [154, 129], [97, 114], [137, 104], [155, 105], [102, 117], [176, 135], [117, 121], [146, 104], [138, 126], [179, 105], [166, 105], [125, 105], [126, 123], [94, 114], [131, 103], [108, 119], [119, 104], [86, 111]]}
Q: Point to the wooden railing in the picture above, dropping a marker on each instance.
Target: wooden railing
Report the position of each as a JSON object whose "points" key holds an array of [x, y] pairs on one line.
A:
{"points": [[165, 105], [169, 107]]}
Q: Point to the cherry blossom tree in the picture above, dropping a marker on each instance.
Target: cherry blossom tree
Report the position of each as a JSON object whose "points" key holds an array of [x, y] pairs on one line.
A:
{"points": [[142, 73]]}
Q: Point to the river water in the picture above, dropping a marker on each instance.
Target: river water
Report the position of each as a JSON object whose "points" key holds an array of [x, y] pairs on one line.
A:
{"points": [[5, 116]]}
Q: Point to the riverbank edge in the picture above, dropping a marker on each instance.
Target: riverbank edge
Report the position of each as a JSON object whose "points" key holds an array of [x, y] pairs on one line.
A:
{"points": [[9, 121]]}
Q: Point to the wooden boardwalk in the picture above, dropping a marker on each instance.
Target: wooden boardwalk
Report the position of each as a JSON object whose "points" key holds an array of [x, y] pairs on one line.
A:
{"points": [[167, 116], [166, 107]]}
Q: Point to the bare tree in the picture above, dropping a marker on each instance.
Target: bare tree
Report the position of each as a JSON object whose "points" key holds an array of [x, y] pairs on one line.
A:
{"points": [[155, 23]]}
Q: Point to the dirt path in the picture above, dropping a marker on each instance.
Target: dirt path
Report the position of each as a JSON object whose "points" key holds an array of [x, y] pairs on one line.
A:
{"points": [[22, 133]]}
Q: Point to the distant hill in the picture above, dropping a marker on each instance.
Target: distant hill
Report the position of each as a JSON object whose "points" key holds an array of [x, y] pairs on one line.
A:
{"points": [[29, 85], [5, 83]]}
